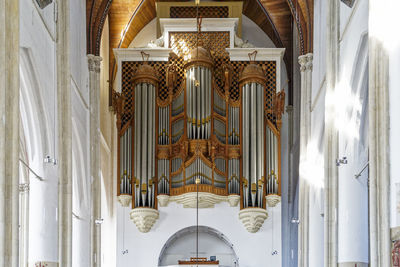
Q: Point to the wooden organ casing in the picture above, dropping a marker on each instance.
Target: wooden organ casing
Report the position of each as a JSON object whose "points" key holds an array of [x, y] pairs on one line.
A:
{"points": [[205, 138]]}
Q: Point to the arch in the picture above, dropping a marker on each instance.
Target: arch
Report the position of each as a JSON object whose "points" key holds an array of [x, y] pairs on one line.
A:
{"points": [[35, 136], [31, 106], [202, 230]]}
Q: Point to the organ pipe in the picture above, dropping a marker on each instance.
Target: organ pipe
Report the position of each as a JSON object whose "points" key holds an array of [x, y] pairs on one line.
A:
{"points": [[199, 169], [145, 81], [198, 101], [233, 176], [125, 163], [178, 105], [163, 125], [233, 128], [252, 80]]}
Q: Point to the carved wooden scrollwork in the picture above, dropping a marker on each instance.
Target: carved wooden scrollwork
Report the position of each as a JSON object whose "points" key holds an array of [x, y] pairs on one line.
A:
{"points": [[396, 254], [118, 104]]}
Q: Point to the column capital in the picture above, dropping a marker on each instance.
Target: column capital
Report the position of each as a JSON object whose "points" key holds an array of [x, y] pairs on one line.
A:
{"points": [[289, 108], [94, 63], [303, 59], [309, 64], [24, 188]]}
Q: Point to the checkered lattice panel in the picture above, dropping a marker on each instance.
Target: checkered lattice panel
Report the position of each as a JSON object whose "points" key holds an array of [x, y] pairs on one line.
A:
{"points": [[204, 12], [270, 72], [128, 71], [182, 42]]}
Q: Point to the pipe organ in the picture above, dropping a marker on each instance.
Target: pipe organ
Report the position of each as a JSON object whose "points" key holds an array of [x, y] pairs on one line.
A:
{"points": [[205, 118]]}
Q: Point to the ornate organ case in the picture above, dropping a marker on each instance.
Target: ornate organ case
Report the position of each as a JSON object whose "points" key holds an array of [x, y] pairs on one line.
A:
{"points": [[209, 112]]}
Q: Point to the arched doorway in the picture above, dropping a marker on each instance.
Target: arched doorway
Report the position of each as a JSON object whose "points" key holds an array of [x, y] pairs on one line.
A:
{"points": [[182, 245]]}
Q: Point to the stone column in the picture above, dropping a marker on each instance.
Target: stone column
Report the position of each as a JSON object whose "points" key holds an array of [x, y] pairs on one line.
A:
{"points": [[331, 136], [95, 170], [9, 132], [379, 148], [64, 136], [24, 224], [305, 62], [303, 190]]}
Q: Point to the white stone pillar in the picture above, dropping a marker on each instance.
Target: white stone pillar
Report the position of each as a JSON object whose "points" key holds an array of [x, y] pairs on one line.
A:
{"points": [[24, 223], [64, 136], [305, 62], [331, 135], [305, 87], [95, 170], [9, 132], [378, 155], [379, 147]]}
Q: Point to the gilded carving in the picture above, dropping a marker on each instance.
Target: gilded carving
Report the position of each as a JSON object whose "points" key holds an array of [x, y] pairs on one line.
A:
{"points": [[396, 254]]}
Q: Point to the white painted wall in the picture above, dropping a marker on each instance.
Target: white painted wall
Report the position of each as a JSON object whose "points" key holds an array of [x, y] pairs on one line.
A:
{"points": [[250, 32], [108, 157], [351, 117], [383, 31], [253, 250], [254, 34], [37, 106], [147, 34], [210, 244], [39, 113]]}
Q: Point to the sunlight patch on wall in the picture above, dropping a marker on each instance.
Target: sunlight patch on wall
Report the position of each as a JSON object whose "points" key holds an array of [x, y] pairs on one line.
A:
{"points": [[312, 166], [347, 108]]}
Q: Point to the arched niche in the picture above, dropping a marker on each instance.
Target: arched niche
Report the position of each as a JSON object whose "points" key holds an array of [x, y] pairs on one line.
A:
{"points": [[182, 245]]}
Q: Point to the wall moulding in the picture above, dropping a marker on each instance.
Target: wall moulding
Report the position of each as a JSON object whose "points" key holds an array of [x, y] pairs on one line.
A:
{"points": [[206, 200], [189, 200]]}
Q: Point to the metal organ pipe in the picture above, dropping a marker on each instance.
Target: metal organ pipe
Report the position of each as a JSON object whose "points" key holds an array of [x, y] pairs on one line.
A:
{"points": [[246, 144], [125, 162], [253, 144], [233, 175], [138, 100], [233, 126], [163, 125], [260, 145], [198, 102], [152, 142], [144, 144]]}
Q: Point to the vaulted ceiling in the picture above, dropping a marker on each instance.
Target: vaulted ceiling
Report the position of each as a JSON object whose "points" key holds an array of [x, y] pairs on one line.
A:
{"points": [[274, 17], [130, 16]]}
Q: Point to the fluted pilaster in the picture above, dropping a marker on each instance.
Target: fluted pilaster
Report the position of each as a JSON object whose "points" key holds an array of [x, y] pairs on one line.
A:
{"points": [[305, 62], [94, 96], [64, 136], [331, 145], [9, 132]]}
